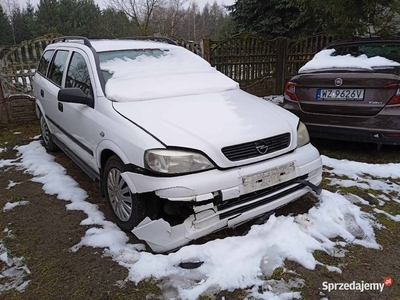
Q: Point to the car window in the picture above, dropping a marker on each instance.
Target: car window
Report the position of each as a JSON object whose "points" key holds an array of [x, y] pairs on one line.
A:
{"points": [[57, 66], [78, 74], [44, 62], [388, 50]]}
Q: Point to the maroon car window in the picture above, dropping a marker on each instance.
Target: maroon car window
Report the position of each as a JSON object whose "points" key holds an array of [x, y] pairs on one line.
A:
{"points": [[388, 50]]}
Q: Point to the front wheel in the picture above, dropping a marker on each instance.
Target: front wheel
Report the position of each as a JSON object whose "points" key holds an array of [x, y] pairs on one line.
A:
{"points": [[47, 139], [123, 204]]}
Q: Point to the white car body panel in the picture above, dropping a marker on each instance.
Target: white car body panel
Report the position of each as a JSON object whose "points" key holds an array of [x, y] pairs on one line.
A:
{"points": [[210, 122], [206, 123]]}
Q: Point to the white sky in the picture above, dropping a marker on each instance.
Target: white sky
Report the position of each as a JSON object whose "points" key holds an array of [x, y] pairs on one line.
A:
{"points": [[102, 3]]}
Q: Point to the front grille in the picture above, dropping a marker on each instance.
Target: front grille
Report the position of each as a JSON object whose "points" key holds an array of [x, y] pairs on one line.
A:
{"points": [[249, 150], [259, 194]]}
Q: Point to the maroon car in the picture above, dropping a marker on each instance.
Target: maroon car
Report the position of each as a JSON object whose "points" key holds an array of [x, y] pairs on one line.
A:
{"points": [[350, 93]]}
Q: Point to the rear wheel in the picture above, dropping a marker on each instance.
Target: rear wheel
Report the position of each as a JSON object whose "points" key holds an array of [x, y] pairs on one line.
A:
{"points": [[47, 139], [124, 205]]}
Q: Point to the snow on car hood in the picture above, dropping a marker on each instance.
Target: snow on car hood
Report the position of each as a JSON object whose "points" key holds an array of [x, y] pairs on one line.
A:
{"points": [[209, 122], [176, 72], [325, 60]]}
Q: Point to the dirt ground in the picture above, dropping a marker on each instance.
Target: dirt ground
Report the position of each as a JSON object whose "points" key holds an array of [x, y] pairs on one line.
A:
{"points": [[44, 231]]}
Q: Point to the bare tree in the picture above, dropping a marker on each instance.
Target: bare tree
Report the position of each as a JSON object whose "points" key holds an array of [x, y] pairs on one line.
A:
{"points": [[140, 11], [169, 17], [154, 16]]}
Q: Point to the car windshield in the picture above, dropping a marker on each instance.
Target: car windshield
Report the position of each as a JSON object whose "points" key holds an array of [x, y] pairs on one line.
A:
{"points": [[388, 50], [138, 75], [130, 54]]}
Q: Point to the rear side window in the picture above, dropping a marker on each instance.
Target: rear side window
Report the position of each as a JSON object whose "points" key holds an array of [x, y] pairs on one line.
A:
{"points": [[388, 50], [44, 62], [57, 66], [78, 74]]}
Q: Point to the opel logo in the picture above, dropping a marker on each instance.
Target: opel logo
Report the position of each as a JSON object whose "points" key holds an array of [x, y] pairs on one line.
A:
{"points": [[261, 147], [338, 81]]}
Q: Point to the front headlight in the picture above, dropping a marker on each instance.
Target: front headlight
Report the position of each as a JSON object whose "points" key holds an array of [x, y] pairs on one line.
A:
{"points": [[302, 135], [175, 161]]}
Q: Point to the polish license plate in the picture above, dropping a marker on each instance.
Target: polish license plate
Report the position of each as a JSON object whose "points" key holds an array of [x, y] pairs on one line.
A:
{"points": [[340, 94], [268, 178]]}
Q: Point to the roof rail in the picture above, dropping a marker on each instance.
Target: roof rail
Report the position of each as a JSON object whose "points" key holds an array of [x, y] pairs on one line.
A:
{"points": [[85, 40], [152, 38]]}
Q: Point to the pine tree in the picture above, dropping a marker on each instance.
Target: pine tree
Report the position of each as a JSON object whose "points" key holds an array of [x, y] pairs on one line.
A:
{"points": [[6, 37]]}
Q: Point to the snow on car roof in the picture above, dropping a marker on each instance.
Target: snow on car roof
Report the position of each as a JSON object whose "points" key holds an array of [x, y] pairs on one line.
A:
{"points": [[110, 45], [164, 73], [325, 60]]}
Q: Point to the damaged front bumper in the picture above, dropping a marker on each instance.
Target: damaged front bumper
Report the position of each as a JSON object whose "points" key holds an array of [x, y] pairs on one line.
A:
{"points": [[225, 198]]}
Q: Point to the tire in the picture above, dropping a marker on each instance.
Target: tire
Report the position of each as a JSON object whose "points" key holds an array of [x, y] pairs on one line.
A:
{"points": [[124, 205], [47, 139]]}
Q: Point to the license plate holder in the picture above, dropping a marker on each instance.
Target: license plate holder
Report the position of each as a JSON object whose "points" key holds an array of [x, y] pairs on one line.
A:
{"points": [[268, 178], [340, 94]]}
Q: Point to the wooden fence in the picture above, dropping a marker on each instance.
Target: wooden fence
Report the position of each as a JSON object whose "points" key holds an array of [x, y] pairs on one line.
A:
{"points": [[260, 66]]}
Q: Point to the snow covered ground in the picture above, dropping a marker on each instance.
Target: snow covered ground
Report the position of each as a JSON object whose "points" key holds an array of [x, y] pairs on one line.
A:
{"points": [[13, 274], [233, 262], [276, 99]]}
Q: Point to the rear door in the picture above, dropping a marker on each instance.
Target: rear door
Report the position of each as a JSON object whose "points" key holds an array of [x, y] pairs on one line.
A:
{"points": [[49, 89]]}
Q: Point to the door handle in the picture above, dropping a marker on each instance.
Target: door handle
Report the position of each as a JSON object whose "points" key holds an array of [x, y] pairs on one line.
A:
{"points": [[60, 107], [42, 93]]}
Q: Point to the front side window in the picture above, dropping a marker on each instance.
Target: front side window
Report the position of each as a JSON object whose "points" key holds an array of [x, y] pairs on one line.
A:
{"points": [[44, 62], [78, 74], [57, 67]]}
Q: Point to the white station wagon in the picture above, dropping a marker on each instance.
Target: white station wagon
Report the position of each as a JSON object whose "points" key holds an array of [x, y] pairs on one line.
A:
{"points": [[178, 149]]}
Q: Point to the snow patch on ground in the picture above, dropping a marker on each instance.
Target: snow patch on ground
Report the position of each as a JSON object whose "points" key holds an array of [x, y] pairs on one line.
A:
{"points": [[365, 176], [276, 99], [394, 218], [7, 163], [12, 205], [229, 263], [3, 150], [12, 271], [325, 60], [353, 169], [36, 137], [12, 184]]}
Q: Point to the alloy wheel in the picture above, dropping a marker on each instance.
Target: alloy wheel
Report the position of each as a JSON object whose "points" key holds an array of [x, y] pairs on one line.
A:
{"points": [[45, 130], [119, 195]]}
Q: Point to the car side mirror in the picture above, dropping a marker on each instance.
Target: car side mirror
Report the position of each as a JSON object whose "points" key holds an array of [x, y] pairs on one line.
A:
{"points": [[75, 95]]}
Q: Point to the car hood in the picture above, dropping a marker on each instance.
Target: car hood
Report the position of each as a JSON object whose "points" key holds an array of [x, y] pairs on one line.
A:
{"points": [[209, 122]]}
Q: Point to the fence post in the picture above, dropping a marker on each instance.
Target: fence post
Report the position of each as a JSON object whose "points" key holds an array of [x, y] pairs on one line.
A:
{"points": [[3, 108], [205, 45], [281, 60]]}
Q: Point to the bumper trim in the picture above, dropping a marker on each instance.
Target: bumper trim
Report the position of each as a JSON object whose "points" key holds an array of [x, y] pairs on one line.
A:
{"points": [[349, 134], [263, 201]]}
